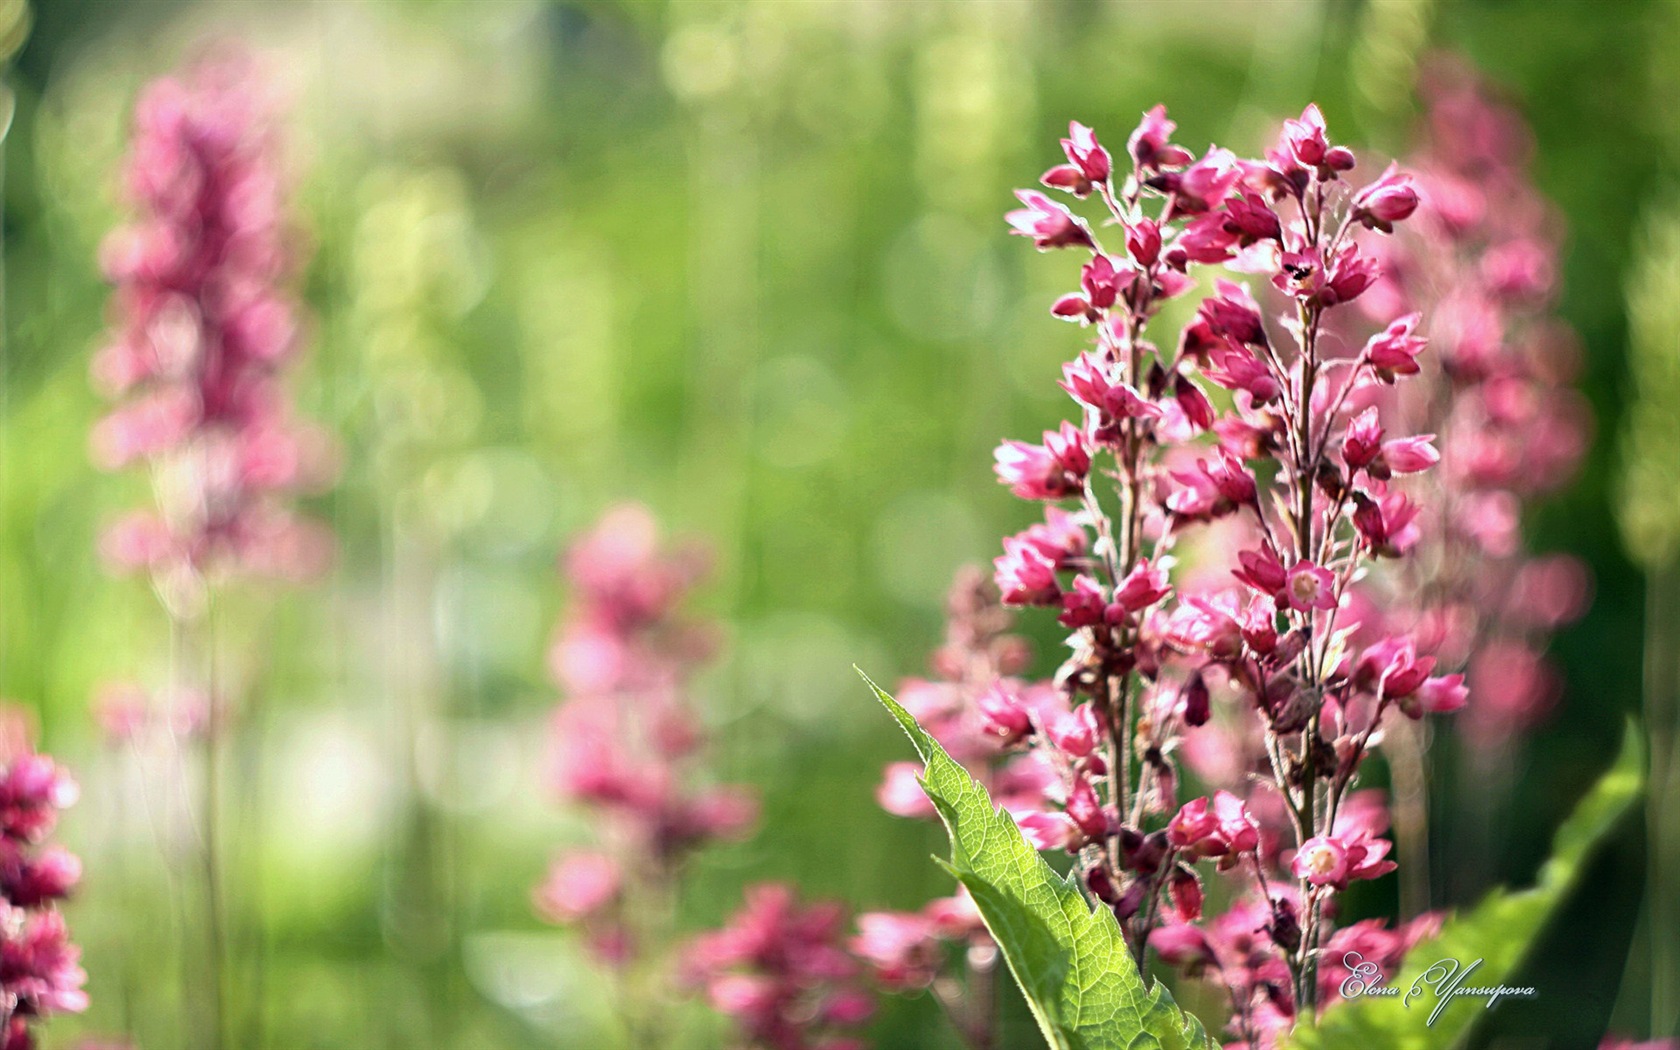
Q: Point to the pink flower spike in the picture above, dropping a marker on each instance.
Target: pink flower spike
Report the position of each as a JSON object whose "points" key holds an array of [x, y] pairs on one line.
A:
{"points": [[1311, 587]]}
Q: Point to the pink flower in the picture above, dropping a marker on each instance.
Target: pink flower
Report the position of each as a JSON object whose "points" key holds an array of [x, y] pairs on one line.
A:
{"points": [[1075, 733], [1049, 831], [1184, 891], [782, 972], [1083, 150], [1087, 380], [1049, 224], [1336, 860], [1025, 575], [1250, 219], [1311, 587], [1394, 350], [901, 792], [1182, 945], [1213, 489], [1387, 524], [1143, 241], [1149, 144], [1143, 586], [1321, 860], [203, 328], [1214, 830], [1362, 443], [1262, 570], [1205, 183], [1234, 314], [1208, 625], [1086, 810], [901, 948], [1393, 668], [578, 886], [1438, 696], [1237, 369], [1197, 409], [1084, 604], [1149, 147], [1051, 471], [1003, 715], [1341, 278], [1304, 140]]}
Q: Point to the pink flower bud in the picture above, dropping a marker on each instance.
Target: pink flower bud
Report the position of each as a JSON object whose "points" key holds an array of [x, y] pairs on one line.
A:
{"points": [[1362, 443], [1410, 455], [1184, 890], [1386, 201], [1083, 605]]}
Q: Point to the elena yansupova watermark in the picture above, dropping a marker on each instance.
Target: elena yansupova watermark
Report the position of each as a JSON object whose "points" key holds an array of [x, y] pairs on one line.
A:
{"points": [[1445, 981]]}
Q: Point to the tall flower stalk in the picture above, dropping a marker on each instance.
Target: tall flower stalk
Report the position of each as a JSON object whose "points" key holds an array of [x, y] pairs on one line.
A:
{"points": [[1480, 260], [627, 743], [204, 327], [1256, 443]]}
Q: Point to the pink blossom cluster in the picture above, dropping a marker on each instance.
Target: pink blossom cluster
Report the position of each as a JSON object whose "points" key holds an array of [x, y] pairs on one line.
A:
{"points": [[626, 738], [1253, 444], [203, 328], [39, 970], [781, 971], [1480, 259]]}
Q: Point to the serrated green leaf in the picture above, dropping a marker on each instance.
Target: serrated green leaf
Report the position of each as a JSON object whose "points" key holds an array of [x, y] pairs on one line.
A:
{"points": [[1070, 961], [1499, 931]]}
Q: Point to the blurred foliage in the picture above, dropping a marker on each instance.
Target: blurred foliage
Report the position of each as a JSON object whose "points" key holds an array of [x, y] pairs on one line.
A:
{"points": [[741, 261]]}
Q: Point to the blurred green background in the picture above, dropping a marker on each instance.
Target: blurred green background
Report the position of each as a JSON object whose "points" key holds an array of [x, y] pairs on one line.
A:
{"points": [[743, 262]]}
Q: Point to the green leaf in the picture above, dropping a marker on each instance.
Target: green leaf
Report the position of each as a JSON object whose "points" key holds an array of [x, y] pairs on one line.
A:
{"points": [[1499, 931], [1071, 963]]}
